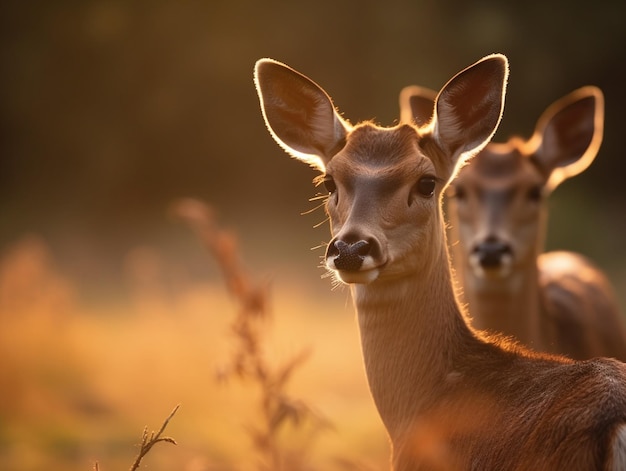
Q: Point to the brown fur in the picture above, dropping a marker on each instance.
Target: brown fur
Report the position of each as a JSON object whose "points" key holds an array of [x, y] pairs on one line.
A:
{"points": [[450, 397], [557, 302]]}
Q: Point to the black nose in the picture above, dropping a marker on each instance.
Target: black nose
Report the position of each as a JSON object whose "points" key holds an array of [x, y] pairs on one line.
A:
{"points": [[348, 257], [491, 251]]}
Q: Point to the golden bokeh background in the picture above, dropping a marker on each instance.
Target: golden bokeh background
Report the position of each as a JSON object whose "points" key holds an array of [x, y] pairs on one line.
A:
{"points": [[112, 312]]}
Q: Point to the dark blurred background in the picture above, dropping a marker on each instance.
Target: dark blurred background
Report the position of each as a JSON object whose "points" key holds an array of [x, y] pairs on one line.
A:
{"points": [[112, 109]]}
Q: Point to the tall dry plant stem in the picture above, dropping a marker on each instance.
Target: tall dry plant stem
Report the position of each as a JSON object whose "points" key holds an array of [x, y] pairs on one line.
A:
{"points": [[148, 441], [248, 362]]}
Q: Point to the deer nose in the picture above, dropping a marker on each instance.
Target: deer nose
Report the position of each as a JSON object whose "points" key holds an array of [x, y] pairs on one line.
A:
{"points": [[348, 256], [491, 252]]}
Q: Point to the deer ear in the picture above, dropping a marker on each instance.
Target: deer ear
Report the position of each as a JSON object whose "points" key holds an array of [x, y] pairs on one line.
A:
{"points": [[569, 134], [417, 105], [299, 114], [469, 107]]}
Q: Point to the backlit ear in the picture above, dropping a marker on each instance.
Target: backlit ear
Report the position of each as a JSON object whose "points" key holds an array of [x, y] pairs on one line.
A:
{"points": [[299, 114], [469, 107], [417, 105], [568, 135]]}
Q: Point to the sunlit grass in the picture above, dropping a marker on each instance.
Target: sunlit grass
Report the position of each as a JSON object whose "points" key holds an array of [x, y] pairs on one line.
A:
{"points": [[78, 382]]}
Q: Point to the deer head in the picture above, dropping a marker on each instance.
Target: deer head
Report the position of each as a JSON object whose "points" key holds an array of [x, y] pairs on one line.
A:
{"points": [[384, 184], [500, 197]]}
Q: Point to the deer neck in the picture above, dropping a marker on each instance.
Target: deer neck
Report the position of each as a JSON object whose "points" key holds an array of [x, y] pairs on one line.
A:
{"points": [[411, 329], [510, 305]]}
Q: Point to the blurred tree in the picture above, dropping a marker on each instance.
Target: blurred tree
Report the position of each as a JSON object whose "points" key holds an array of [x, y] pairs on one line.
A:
{"points": [[110, 109]]}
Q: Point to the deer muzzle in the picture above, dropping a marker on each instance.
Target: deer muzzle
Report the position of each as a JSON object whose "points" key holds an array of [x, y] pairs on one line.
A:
{"points": [[348, 257]]}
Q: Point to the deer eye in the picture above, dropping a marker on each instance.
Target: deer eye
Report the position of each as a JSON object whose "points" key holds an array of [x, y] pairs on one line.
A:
{"points": [[426, 186], [535, 193], [459, 192], [329, 184]]}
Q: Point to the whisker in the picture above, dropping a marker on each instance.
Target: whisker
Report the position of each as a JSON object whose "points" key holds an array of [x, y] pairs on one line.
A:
{"points": [[309, 211], [321, 222], [322, 245], [319, 179], [336, 283], [318, 197]]}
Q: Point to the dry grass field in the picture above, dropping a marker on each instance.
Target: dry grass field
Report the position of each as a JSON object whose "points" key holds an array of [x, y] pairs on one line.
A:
{"points": [[80, 380]]}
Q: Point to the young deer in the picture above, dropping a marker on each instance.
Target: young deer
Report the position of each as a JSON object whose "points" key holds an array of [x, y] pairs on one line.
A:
{"points": [[449, 397], [556, 302]]}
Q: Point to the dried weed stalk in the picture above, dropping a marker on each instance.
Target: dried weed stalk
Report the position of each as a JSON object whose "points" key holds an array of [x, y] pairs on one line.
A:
{"points": [[248, 363], [148, 441]]}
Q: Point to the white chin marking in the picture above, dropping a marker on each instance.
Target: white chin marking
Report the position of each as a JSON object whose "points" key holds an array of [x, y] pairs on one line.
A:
{"points": [[360, 277], [476, 267], [368, 272], [503, 271]]}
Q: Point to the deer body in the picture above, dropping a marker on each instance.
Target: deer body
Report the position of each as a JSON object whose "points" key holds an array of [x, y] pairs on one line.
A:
{"points": [[462, 403], [449, 396], [556, 302]]}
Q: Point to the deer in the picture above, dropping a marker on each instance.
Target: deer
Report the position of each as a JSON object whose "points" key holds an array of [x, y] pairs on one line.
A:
{"points": [[449, 396], [556, 302]]}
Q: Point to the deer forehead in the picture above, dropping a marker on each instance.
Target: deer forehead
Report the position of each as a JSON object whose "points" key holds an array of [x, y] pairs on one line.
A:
{"points": [[501, 167], [388, 156]]}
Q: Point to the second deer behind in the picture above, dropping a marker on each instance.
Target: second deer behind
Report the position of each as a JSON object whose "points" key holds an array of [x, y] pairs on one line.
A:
{"points": [[555, 302]]}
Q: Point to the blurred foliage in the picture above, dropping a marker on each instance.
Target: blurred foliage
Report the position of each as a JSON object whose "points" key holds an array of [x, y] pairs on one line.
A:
{"points": [[77, 381], [110, 109], [277, 409]]}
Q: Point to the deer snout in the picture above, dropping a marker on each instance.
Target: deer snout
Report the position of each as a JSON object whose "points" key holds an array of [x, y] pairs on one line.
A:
{"points": [[348, 257], [492, 253], [356, 260]]}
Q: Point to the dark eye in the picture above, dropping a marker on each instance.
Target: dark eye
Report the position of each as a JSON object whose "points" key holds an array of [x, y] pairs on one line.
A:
{"points": [[459, 192], [329, 184], [426, 186], [535, 193]]}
